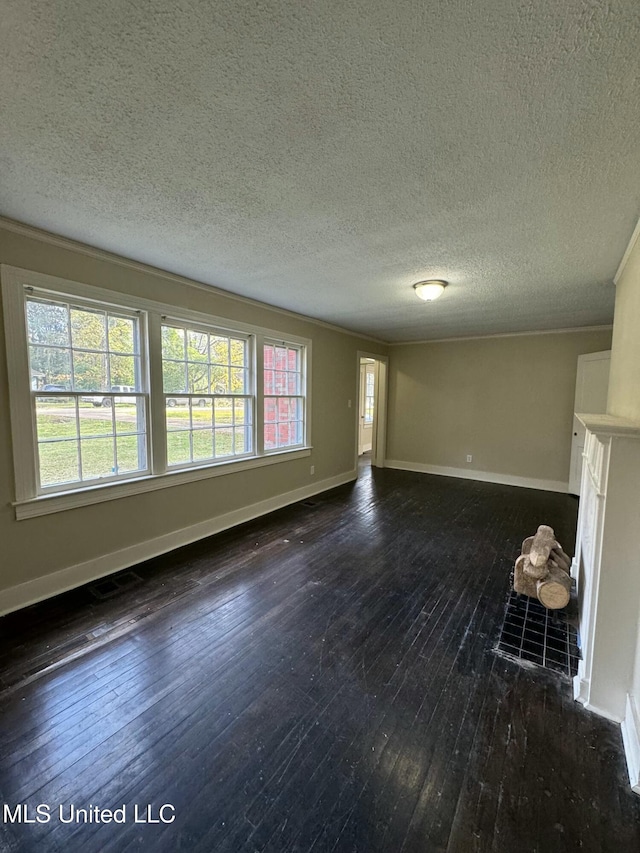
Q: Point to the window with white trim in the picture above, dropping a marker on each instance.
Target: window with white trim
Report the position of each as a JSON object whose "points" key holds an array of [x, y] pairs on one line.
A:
{"points": [[114, 394], [87, 396], [284, 400], [207, 385], [369, 394]]}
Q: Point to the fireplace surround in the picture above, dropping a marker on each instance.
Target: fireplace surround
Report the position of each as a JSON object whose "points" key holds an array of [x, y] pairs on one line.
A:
{"points": [[607, 571]]}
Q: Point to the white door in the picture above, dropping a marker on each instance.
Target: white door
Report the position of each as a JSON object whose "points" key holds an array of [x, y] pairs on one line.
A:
{"points": [[367, 406], [592, 384]]}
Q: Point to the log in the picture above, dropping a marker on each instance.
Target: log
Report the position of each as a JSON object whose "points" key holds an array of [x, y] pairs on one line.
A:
{"points": [[543, 542], [562, 567], [558, 555], [526, 545], [522, 583], [554, 591], [535, 572]]}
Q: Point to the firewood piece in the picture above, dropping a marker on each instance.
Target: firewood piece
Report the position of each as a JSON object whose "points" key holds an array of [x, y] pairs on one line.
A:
{"points": [[535, 572], [526, 545], [559, 556], [552, 563], [554, 591], [522, 583], [543, 542]]}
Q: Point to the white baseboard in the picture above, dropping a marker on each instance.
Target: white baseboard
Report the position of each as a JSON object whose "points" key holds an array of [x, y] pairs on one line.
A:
{"points": [[575, 571], [47, 586], [631, 740], [580, 685], [602, 712], [582, 693], [482, 476]]}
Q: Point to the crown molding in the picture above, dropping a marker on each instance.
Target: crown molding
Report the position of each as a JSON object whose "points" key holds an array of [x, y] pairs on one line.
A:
{"points": [[606, 328], [57, 240], [630, 246], [34, 233]]}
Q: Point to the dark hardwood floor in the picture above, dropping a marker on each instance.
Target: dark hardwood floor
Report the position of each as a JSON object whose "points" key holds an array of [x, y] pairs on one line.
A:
{"points": [[322, 679]]}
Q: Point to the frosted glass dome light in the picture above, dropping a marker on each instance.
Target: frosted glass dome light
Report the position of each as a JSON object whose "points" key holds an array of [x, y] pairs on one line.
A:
{"points": [[430, 290]]}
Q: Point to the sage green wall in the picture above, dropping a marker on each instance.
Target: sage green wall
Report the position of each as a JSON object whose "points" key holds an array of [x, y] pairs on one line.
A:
{"points": [[507, 401], [624, 378], [36, 547]]}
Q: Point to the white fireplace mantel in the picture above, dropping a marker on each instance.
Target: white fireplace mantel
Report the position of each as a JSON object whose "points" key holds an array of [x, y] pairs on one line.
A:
{"points": [[607, 564]]}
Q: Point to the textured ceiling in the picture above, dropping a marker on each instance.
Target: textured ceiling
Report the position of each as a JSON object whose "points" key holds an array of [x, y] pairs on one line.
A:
{"points": [[323, 156]]}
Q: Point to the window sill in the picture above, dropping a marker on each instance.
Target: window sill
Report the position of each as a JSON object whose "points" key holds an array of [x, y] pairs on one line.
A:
{"points": [[47, 504]]}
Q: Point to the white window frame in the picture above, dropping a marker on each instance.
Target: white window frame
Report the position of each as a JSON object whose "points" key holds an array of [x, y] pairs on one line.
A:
{"points": [[301, 396], [250, 395], [140, 316], [28, 503]]}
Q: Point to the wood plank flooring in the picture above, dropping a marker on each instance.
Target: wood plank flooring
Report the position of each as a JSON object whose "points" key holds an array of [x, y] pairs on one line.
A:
{"points": [[322, 679]]}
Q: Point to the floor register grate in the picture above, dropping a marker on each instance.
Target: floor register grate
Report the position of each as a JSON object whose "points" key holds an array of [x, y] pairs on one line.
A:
{"points": [[532, 633], [108, 587]]}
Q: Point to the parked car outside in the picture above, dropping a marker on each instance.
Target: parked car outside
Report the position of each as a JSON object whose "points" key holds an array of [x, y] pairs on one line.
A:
{"points": [[172, 402], [53, 388], [102, 400]]}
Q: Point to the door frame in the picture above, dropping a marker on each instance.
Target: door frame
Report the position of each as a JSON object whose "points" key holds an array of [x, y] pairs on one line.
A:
{"points": [[379, 437], [578, 430], [367, 368]]}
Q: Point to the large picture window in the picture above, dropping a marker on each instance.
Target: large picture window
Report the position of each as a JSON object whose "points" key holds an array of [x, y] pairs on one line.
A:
{"points": [[114, 395]]}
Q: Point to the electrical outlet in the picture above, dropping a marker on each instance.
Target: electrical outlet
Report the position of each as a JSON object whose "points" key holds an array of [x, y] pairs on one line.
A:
{"points": [[313, 469], [469, 457], [349, 404]]}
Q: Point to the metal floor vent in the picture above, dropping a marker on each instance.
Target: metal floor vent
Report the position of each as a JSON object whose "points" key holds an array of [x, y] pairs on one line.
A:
{"points": [[109, 587], [544, 637]]}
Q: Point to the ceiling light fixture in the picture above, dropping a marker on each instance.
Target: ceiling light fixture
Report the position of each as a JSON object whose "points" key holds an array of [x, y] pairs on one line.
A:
{"points": [[430, 289]]}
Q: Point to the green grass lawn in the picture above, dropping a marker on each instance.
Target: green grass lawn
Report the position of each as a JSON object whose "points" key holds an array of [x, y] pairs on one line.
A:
{"points": [[102, 454], [59, 460]]}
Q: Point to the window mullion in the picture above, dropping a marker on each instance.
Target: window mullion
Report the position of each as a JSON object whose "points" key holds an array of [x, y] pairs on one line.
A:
{"points": [[305, 390], [157, 417], [79, 438], [258, 417]]}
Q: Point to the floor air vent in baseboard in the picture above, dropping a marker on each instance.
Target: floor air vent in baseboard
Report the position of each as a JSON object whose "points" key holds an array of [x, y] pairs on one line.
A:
{"points": [[108, 587]]}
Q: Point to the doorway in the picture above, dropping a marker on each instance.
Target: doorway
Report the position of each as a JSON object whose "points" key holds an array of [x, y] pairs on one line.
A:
{"points": [[366, 405], [371, 410]]}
